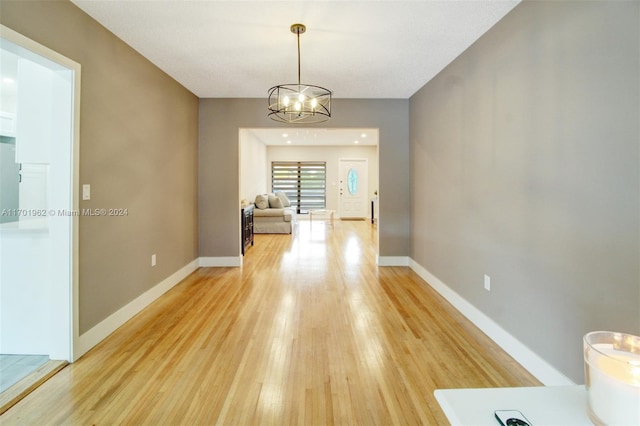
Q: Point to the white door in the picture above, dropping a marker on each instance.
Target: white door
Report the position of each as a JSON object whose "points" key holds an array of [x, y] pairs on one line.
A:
{"points": [[354, 178]]}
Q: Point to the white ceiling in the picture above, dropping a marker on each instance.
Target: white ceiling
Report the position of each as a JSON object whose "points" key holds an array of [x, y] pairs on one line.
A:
{"points": [[357, 49], [316, 136]]}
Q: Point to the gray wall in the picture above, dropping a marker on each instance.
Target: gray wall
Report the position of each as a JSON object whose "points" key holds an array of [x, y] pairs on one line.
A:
{"points": [[138, 131], [220, 121], [525, 166]]}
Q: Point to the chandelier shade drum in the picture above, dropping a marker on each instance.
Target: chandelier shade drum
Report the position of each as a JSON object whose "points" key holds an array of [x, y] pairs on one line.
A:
{"points": [[299, 103]]}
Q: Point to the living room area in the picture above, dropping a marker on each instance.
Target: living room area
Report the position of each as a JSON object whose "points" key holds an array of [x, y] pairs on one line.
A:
{"points": [[333, 170]]}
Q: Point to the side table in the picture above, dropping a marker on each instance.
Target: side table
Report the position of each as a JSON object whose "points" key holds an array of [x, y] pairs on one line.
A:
{"points": [[541, 405]]}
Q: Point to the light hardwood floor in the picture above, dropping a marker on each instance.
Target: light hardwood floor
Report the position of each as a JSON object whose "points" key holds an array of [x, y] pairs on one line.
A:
{"points": [[309, 331]]}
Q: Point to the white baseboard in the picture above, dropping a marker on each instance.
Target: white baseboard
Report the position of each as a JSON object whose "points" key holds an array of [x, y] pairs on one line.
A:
{"points": [[219, 262], [107, 326], [537, 366], [392, 260]]}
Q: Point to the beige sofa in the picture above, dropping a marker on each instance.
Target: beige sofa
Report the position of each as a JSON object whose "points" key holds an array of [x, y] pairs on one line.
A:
{"points": [[273, 214]]}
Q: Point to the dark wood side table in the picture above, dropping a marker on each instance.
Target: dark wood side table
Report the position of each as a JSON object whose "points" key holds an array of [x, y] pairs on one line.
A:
{"points": [[246, 217]]}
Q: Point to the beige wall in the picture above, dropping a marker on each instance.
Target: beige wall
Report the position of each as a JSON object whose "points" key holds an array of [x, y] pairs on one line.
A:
{"points": [[525, 166], [138, 150], [220, 120]]}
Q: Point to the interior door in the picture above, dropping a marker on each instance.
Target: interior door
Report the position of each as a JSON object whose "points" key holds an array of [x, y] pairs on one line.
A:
{"points": [[354, 178]]}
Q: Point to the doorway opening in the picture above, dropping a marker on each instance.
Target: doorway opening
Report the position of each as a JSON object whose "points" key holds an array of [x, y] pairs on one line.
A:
{"points": [[260, 148], [39, 146]]}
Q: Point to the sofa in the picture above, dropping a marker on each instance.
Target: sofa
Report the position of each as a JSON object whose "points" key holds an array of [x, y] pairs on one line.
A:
{"points": [[273, 214]]}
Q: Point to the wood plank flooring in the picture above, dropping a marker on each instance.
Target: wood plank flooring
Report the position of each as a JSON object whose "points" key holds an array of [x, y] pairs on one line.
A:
{"points": [[309, 331], [28, 382]]}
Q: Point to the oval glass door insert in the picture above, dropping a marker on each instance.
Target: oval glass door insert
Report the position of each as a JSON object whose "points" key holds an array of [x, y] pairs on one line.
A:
{"points": [[352, 181]]}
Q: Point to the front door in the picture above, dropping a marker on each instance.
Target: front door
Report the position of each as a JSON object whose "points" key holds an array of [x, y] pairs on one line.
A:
{"points": [[354, 179]]}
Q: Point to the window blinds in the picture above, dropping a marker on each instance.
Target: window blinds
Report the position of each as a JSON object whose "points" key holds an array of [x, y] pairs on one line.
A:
{"points": [[304, 182]]}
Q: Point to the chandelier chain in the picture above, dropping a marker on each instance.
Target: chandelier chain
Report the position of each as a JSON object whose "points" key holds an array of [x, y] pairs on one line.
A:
{"points": [[298, 57]]}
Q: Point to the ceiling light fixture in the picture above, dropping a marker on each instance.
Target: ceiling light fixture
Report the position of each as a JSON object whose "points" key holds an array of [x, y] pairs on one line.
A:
{"points": [[299, 103]]}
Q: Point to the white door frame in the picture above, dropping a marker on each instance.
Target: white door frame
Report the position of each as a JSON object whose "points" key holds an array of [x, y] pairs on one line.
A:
{"points": [[67, 305]]}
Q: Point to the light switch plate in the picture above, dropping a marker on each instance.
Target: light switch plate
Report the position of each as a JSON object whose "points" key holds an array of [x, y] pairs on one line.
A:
{"points": [[86, 192], [487, 282]]}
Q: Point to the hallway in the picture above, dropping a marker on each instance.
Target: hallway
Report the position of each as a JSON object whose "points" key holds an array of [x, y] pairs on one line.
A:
{"points": [[308, 331]]}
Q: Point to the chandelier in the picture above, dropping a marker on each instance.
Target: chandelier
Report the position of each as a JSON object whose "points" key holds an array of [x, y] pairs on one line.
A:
{"points": [[299, 103]]}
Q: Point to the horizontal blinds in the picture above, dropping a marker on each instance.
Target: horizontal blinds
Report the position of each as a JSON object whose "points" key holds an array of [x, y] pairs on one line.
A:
{"points": [[304, 182]]}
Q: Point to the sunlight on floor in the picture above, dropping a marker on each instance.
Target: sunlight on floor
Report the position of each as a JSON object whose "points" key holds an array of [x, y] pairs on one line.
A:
{"points": [[309, 244]]}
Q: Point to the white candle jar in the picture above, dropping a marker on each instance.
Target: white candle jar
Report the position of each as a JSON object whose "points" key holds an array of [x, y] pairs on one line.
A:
{"points": [[612, 374]]}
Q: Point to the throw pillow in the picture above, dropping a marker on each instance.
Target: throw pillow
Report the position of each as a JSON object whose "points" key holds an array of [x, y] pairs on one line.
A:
{"points": [[262, 202], [284, 198], [275, 202]]}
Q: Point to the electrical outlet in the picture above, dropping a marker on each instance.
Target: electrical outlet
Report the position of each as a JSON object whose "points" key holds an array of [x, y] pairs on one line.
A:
{"points": [[153, 260], [487, 282]]}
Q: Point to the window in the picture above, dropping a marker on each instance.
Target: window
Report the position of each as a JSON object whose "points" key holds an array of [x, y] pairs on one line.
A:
{"points": [[352, 181], [304, 182]]}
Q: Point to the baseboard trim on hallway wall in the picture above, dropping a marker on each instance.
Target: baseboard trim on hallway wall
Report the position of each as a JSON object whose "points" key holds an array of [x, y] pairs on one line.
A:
{"points": [[533, 363], [107, 326], [392, 260], [220, 262]]}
